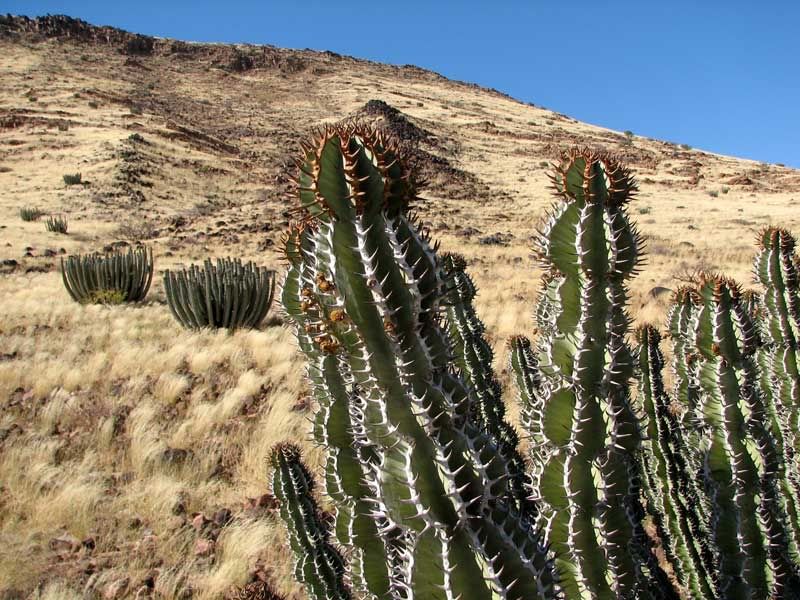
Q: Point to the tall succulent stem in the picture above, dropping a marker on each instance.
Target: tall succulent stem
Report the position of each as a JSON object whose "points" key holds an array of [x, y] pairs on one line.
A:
{"points": [[369, 292], [590, 476], [672, 476], [317, 563], [473, 356]]}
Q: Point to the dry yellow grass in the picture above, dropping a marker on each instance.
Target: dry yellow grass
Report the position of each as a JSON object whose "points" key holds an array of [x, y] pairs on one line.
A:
{"points": [[117, 426]]}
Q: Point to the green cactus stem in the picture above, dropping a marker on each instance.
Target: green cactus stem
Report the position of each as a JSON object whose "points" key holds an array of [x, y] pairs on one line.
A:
{"points": [[368, 291], [589, 477], [745, 472], [354, 526], [473, 356], [672, 477], [776, 270], [318, 565]]}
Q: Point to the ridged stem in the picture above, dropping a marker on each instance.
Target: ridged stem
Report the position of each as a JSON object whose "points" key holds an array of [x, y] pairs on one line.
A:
{"points": [[372, 287], [590, 477], [318, 564]]}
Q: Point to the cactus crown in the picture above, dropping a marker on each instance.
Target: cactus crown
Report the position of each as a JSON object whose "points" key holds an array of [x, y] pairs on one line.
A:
{"points": [[593, 176], [332, 183]]}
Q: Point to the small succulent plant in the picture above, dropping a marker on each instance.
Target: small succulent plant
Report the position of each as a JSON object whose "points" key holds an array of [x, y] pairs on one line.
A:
{"points": [[56, 224], [28, 213]]}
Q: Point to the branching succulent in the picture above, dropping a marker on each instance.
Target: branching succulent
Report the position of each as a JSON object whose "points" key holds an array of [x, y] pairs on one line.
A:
{"points": [[29, 213], [672, 477], [56, 224], [111, 278], [473, 356], [724, 471], [317, 563], [585, 430], [433, 499], [228, 294], [406, 459], [779, 309]]}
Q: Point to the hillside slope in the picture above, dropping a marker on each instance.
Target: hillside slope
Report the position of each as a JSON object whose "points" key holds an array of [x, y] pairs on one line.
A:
{"points": [[131, 452]]}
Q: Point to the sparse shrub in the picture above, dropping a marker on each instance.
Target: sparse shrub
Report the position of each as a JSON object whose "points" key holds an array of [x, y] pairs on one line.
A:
{"points": [[713, 193], [111, 278], [56, 224], [73, 178], [685, 147], [725, 189], [628, 139], [28, 213], [644, 210], [93, 104], [137, 229], [140, 45], [136, 138], [229, 294], [63, 125]]}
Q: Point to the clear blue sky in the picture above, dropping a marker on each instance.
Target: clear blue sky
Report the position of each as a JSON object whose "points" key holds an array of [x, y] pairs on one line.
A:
{"points": [[719, 75]]}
